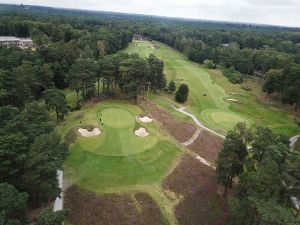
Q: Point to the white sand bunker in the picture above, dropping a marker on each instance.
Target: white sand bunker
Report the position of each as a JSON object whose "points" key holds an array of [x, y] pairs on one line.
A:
{"points": [[232, 100], [87, 133], [146, 119], [141, 132]]}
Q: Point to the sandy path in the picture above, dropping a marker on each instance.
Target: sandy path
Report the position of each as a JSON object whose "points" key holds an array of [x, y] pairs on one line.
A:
{"points": [[189, 142], [58, 204]]}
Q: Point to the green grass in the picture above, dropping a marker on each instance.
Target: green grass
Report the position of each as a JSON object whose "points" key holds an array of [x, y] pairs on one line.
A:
{"points": [[209, 89], [117, 157], [117, 160]]}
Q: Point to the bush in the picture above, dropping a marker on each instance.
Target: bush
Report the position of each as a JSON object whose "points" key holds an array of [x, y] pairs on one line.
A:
{"points": [[233, 76], [246, 87], [172, 86], [209, 64], [182, 93]]}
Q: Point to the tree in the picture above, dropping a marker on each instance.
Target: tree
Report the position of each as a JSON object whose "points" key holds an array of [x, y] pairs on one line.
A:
{"points": [[81, 77], [56, 99], [291, 177], [181, 94], [232, 156], [172, 86], [156, 76], [45, 157], [134, 72], [13, 150], [12, 205], [273, 81], [48, 217]]}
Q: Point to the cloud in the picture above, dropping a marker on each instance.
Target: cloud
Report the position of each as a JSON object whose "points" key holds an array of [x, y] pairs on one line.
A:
{"points": [[276, 12]]}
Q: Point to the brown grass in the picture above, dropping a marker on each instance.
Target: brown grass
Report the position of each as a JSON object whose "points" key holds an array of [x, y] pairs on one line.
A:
{"points": [[111, 209], [201, 204], [207, 146], [182, 131]]}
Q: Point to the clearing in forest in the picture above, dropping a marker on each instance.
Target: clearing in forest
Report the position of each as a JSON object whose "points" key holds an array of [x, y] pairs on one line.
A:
{"points": [[210, 91]]}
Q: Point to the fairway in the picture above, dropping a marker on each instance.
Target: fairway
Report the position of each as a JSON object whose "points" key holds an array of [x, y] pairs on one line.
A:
{"points": [[209, 89], [117, 157]]}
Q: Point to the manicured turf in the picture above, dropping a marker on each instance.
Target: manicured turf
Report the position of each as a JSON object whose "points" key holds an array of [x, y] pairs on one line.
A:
{"points": [[117, 157], [209, 88]]}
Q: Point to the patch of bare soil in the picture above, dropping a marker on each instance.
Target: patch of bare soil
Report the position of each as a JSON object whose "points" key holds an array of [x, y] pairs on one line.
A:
{"points": [[207, 146], [182, 131], [201, 204], [106, 209]]}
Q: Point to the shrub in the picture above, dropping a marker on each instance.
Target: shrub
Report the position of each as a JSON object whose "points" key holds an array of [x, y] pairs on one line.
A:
{"points": [[172, 86], [233, 76], [182, 93], [209, 64], [246, 87]]}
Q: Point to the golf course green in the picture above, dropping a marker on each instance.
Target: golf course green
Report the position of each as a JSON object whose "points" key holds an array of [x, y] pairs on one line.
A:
{"points": [[117, 157], [209, 90]]}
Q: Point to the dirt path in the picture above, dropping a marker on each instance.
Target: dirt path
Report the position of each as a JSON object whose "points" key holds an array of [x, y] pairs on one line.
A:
{"points": [[200, 124], [189, 142]]}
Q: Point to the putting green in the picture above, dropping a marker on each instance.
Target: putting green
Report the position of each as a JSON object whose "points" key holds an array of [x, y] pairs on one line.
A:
{"points": [[117, 137], [224, 119], [116, 117]]}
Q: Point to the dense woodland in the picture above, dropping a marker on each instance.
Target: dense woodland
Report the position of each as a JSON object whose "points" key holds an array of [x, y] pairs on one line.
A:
{"points": [[268, 177], [78, 50]]}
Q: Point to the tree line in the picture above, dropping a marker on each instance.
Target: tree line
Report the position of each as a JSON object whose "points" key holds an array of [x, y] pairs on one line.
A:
{"points": [[120, 74], [239, 49]]}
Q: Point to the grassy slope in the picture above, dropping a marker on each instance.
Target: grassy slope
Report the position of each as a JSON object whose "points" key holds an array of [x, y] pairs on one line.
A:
{"points": [[208, 89]]}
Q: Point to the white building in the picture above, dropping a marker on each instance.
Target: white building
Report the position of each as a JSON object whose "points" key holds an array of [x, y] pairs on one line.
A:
{"points": [[20, 42]]}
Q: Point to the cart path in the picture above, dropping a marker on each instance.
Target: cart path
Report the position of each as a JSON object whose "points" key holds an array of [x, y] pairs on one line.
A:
{"points": [[198, 122]]}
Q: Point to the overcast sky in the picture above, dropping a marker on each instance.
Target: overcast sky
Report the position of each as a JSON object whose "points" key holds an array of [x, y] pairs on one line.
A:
{"points": [[276, 12]]}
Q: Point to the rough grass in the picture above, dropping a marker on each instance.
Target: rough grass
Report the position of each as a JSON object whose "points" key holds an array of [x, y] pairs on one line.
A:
{"points": [[201, 203], [118, 209], [209, 88], [207, 146]]}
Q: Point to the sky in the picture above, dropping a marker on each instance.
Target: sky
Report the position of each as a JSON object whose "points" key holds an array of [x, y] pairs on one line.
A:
{"points": [[274, 12]]}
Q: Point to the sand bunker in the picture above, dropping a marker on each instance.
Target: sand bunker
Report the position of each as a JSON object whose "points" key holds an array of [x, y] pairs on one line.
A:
{"points": [[86, 133], [146, 119], [141, 132], [232, 100]]}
